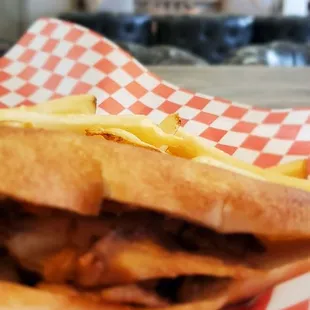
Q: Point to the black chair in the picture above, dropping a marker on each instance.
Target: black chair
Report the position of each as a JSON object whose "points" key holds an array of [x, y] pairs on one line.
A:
{"points": [[117, 27], [294, 29], [211, 37]]}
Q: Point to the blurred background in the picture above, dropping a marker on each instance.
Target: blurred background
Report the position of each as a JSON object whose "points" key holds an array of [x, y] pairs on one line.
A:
{"points": [[187, 32]]}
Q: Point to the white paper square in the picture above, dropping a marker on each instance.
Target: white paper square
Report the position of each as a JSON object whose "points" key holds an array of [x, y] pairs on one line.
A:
{"points": [[254, 116], [224, 123], [126, 112], [15, 68], [296, 117], [90, 58], [87, 40], [66, 85], [234, 138], [188, 112], [40, 77], [12, 99], [62, 48], [124, 97], [289, 158], [216, 107], [152, 100], [38, 42], [92, 76], [41, 95], [64, 66], [121, 77], [157, 116], [246, 155], [13, 83], [290, 293], [61, 31], [38, 26], [100, 94], [39, 59], [15, 52], [266, 130], [195, 128], [304, 133], [147, 81], [180, 97], [277, 146], [117, 58]]}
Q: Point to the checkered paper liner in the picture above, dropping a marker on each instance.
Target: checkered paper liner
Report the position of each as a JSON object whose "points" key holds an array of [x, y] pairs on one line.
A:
{"points": [[55, 58]]}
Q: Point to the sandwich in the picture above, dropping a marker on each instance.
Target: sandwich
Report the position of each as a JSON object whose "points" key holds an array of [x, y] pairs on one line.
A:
{"points": [[88, 223]]}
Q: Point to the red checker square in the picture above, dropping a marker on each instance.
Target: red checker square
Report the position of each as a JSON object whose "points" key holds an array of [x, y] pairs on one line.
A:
{"points": [[205, 118], [235, 112], [4, 62], [56, 96], [103, 48], [136, 89], [267, 160], [198, 102], [106, 66], [25, 102], [220, 99], [132, 69], [49, 45], [48, 29], [275, 117], [51, 63], [255, 143], [76, 52], [4, 76], [184, 121], [169, 107], [288, 132], [227, 148], [111, 106], [27, 56], [163, 90], [73, 35], [213, 134], [3, 91], [244, 127], [53, 82], [304, 305], [2, 106], [262, 302], [27, 73], [81, 88], [300, 148], [27, 90], [108, 85], [140, 108], [26, 39], [78, 70]]}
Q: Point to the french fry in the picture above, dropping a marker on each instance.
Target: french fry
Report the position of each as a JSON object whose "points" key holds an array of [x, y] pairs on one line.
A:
{"points": [[296, 169], [192, 147], [121, 136], [80, 104], [138, 125], [171, 124], [220, 164]]}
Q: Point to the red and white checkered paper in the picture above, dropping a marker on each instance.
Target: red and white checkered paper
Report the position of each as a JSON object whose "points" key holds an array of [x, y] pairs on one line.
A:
{"points": [[56, 58]]}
